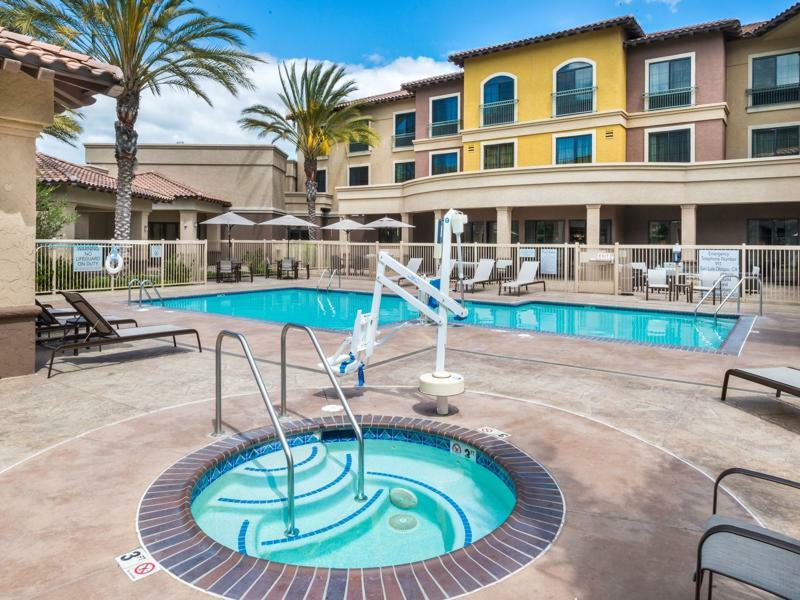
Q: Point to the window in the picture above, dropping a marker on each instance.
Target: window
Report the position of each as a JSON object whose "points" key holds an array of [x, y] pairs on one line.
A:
{"points": [[664, 232], [444, 116], [669, 83], [574, 91], [298, 233], [605, 231], [674, 145], [359, 175], [389, 235], [544, 232], [403, 171], [573, 149], [355, 147], [480, 232], [163, 231], [776, 79], [499, 156], [577, 231], [776, 141], [404, 127], [322, 181], [499, 102], [772, 232], [444, 162]]}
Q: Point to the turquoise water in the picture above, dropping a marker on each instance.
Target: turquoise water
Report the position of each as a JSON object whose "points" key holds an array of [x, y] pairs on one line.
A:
{"points": [[458, 502], [336, 310]]}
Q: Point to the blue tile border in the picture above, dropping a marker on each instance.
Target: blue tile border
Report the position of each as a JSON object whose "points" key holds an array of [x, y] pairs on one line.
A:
{"points": [[241, 540], [461, 514]]}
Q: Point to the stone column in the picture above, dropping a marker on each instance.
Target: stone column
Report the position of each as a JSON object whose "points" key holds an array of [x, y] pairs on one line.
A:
{"points": [[342, 232], [688, 224], [504, 224], [139, 222], [405, 232], [26, 106], [592, 224], [188, 226]]}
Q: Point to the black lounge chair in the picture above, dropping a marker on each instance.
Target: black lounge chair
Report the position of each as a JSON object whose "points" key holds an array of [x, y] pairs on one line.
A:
{"points": [[50, 320], [780, 379], [58, 312], [757, 556], [101, 333]]}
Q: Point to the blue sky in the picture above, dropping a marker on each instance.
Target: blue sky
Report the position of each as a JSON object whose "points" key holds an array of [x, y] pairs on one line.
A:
{"points": [[382, 44]]}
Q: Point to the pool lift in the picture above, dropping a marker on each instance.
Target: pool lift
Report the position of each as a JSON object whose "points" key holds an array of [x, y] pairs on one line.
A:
{"points": [[432, 301]]}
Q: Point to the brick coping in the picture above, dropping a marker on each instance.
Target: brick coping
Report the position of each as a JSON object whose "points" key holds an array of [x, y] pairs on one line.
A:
{"points": [[168, 530]]}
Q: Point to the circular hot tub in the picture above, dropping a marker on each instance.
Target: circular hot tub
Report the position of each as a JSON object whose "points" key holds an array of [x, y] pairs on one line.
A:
{"points": [[439, 499]]}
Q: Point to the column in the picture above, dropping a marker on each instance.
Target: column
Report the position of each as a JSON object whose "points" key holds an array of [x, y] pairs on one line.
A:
{"points": [[342, 232], [592, 224], [405, 232], [688, 224], [504, 224], [188, 225], [139, 221]]}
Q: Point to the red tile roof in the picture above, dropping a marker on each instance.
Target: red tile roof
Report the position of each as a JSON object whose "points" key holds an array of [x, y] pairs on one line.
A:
{"points": [[756, 29], [437, 79], [77, 76], [732, 27], [629, 23], [55, 171], [381, 98], [750, 27], [164, 186]]}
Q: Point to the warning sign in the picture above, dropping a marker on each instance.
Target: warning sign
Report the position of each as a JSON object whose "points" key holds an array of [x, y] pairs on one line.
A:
{"points": [[461, 449], [137, 564], [495, 432]]}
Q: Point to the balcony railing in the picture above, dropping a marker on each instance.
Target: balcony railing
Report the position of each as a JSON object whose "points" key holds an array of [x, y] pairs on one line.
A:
{"points": [[403, 140], [497, 113], [442, 128], [669, 98], [779, 94], [571, 102]]}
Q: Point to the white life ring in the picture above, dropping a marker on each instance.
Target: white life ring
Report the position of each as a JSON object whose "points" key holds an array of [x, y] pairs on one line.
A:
{"points": [[114, 261]]}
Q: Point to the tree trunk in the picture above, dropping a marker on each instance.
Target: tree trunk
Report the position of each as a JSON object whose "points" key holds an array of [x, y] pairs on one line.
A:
{"points": [[125, 153], [310, 168]]}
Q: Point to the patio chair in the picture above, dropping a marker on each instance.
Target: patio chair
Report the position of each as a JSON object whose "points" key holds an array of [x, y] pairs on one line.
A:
{"points": [[245, 272], [413, 265], [47, 321], [657, 282], [754, 555], [638, 272], [482, 275], [225, 271], [288, 268], [101, 333], [526, 276], [780, 379], [708, 281]]}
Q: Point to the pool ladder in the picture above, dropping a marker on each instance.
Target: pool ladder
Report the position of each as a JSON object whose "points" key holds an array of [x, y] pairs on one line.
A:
{"points": [[143, 285], [333, 273], [754, 276]]}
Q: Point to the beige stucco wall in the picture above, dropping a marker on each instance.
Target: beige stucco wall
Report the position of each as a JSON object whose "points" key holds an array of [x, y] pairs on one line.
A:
{"points": [[784, 37], [251, 177]]}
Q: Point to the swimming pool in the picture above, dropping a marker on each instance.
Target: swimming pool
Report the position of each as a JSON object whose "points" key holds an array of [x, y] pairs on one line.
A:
{"points": [[337, 310]]}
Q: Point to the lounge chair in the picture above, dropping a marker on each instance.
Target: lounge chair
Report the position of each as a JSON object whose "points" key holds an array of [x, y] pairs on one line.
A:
{"points": [[58, 312], [413, 265], [526, 276], [101, 333], [482, 275], [708, 281], [657, 282], [47, 321], [754, 555], [780, 379]]}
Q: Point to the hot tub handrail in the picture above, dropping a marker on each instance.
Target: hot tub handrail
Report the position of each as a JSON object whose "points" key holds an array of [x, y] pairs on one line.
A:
{"points": [[291, 530], [360, 496]]}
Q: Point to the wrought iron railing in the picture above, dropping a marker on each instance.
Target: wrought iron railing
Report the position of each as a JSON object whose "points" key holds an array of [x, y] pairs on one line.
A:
{"points": [[403, 140], [442, 128], [498, 113], [571, 102], [779, 94], [669, 98]]}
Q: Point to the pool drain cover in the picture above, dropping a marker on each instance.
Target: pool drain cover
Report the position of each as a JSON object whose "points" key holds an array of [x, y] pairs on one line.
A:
{"points": [[403, 498], [403, 522]]}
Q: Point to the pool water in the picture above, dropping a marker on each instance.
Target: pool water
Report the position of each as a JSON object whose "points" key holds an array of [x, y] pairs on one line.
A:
{"points": [[337, 310], [455, 501]]}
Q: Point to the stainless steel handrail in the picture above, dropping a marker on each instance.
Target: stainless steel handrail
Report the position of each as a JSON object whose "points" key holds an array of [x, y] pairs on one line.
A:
{"points": [[321, 275], [360, 496], [330, 279], [130, 285], [718, 282], [143, 286], [291, 530], [739, 283]]}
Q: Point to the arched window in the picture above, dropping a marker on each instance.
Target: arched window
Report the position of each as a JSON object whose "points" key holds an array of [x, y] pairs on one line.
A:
{"points": [[574, 93], [499, 101]]}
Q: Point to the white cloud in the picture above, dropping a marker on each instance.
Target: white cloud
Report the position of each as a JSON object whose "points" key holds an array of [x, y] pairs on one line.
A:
{"points": [[177, 116], [671, 4]]}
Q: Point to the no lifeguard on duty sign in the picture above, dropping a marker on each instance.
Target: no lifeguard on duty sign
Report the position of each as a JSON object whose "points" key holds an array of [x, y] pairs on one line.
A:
{"points": [[137, 564]]}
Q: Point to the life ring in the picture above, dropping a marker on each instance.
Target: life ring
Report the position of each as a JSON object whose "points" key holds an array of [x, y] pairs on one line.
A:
{"points": [[114, 261]]}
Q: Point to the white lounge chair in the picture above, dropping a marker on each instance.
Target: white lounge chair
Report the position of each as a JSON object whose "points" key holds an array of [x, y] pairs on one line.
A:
{"points": [[483, 273], [526, 276], [657, 281], [708, 281], [413, 265]]}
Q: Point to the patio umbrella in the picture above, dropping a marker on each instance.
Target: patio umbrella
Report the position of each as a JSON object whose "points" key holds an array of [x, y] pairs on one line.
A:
{"points": [[347, 225], [388, 223], [288, 221], [230, 219]]}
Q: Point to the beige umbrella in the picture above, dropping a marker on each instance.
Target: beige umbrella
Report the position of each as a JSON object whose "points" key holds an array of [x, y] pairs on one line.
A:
{"points": [[230, 219], [347, 225], [289, 221]]}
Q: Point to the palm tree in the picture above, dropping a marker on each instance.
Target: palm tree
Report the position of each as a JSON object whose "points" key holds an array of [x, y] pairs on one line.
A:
{"points": [[66, 127], [314, 117], [155, 43]]}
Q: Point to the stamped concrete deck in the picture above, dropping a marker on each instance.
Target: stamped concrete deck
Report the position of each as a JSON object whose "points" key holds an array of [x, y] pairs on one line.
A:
{"points": [[627, 431]]}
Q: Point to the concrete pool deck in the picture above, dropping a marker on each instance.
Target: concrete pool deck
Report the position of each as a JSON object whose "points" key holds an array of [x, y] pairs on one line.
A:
{"points": [[628, 432]]}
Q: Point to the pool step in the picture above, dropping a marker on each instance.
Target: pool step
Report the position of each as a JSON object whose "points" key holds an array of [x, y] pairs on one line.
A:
{"points": [[309, 459]]}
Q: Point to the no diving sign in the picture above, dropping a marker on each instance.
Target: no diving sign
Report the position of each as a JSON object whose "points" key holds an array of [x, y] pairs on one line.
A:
{"points": [[137, 564]]}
